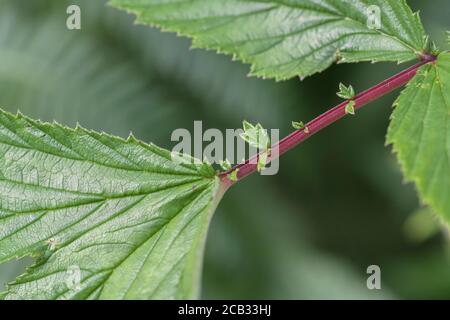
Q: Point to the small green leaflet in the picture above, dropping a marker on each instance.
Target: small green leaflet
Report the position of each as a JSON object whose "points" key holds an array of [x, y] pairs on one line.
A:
{"points": [[262, 160], [257, 137], [233, 176], [298, 125], [420, 133], [118, 215], [345, 92], [350, 108], [286, 38]]}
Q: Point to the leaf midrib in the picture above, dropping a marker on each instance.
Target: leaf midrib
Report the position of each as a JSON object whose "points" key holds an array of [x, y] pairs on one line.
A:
{"points": [[101, 197]]}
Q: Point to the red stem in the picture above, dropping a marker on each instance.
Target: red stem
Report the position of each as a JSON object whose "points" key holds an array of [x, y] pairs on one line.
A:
{"points": [[325, 119]]}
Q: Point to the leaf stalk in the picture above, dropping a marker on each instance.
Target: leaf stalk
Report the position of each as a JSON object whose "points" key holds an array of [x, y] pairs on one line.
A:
{"points": [[249, 166]]}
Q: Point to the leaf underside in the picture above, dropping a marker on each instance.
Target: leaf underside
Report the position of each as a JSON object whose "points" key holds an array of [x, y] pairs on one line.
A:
{"points": [[286, 38], [120, 211], [420, 133]]}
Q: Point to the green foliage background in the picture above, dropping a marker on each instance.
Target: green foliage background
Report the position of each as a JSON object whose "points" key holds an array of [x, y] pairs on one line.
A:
{"points": [[338, 203]]}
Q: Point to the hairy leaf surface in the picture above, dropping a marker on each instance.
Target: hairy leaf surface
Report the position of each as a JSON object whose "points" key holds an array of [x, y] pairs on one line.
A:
{"points": [[106, 218], [287, 38], [420, 133]]}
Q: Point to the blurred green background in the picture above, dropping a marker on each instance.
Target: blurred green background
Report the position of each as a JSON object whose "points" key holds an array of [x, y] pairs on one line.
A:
{"points": [[339, 202]]}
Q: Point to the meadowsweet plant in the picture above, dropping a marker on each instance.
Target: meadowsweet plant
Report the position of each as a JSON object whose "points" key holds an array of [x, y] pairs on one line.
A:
{"points": [[113, 218]]}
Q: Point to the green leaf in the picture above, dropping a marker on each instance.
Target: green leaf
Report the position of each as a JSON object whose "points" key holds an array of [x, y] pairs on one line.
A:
{"points": [[247, 125], [255, 135], [346, 92], [286, 38], [125, 216], [233, 176], [420, 133], [298, 125], [262, 160], [350, 108]]}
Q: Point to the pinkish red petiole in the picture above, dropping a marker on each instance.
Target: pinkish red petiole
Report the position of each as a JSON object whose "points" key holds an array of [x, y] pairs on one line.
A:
{"points": [[325, 119]]}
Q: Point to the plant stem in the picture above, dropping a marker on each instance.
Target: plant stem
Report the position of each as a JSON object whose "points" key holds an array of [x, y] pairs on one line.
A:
{"points": [[249, 166]]}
